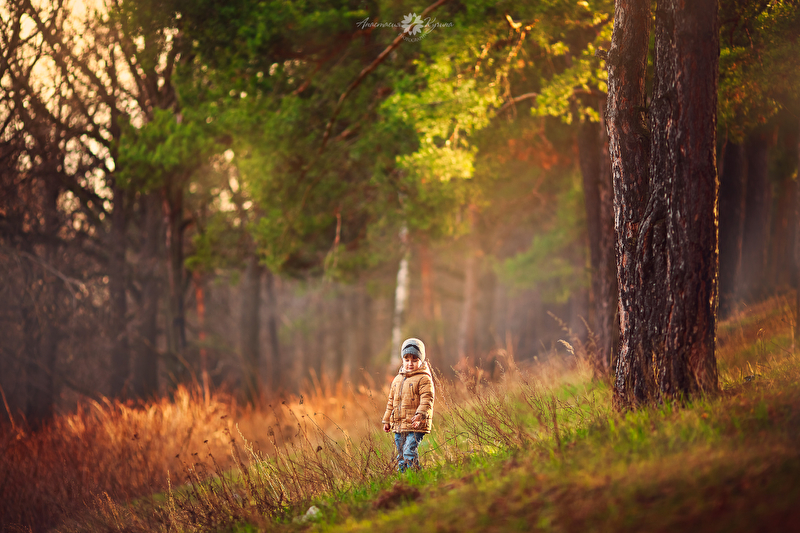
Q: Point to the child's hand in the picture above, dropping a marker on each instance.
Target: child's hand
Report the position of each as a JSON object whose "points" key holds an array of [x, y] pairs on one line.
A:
{"points": [[417, 420], [387, 428]]}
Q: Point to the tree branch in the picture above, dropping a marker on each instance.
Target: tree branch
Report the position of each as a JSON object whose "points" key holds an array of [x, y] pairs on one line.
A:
{"points": [[372, 66], [516, 100]]}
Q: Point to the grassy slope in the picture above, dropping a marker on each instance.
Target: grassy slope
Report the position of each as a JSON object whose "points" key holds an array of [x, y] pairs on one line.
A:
{"points": [[727, 464], [497, 462]]}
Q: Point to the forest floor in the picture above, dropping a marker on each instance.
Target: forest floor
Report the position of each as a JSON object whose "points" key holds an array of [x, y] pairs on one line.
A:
{"points": [[540, 450]]}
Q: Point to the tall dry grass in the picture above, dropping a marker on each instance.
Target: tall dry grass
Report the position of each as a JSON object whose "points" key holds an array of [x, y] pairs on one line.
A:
{"points": [[121, 451], [303, 461]]}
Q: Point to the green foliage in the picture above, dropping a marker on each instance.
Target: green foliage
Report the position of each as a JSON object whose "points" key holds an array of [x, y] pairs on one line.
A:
{"points": [[164, 148], [759, 63], [556, 260]]}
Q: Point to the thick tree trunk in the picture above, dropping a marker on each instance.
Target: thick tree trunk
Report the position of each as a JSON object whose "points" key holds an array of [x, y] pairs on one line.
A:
{"points": [[598, 196], [400, 296], [731, 223], [629, 149], [117, 274], [684, 112], [758, 205], [277, 376], [250, 328], [146, 363], [665, 199]]}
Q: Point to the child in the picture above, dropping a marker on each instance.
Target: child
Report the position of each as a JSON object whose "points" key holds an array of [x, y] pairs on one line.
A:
{"points": [[409, 411]]}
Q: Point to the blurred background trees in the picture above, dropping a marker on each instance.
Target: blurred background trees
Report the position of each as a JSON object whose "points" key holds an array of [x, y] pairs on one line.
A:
{"points": [[190, 192]]}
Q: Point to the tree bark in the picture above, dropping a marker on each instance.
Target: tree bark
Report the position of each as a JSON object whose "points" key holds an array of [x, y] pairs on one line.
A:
{"points": [[684, 112], [315, 365], [758, 205], [365, 351], [731, 223], [400, 295], [466, 327], [177, 323], [797, 254], [146, 363], [665, 187], [598, 197], [780, 259], [338, 334], [250, 328], [40, 319], [117, 273], [200, 303], [275, 344], [629, 149]]}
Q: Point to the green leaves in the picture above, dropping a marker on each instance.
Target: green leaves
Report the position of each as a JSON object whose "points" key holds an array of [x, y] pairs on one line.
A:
{"points": [[555, 261], [164, 147]]}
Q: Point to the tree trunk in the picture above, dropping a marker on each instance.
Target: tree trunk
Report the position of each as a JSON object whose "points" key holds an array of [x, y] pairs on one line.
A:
{"points": [[315, 365], [250, 328], [684, 125], [466, 327], [629, 149], [117, 274], [665, 190], [177, 325], [779, 261], [146, 364], [485, 311], [365, 344], [40, 351], [731, 223], [400, 295], [758, 205], [797, 254], [339, 335], [596, 171], [275, 345], [200, 302], [40, 319]]}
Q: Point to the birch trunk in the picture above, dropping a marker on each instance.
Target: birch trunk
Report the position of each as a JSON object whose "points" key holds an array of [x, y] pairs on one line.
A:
{"points": [[400, 295]]}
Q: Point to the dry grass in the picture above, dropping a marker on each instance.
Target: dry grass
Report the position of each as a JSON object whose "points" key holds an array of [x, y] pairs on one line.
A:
{"points": [[219, 465], [120, 451]]}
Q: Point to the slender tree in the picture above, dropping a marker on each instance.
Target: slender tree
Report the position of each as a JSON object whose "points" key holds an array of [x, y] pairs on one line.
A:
{"points": [[731, 222]]}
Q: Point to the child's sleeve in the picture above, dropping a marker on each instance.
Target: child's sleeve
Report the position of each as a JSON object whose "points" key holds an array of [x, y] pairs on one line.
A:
{"points": [[427, 394], [389, 406]]}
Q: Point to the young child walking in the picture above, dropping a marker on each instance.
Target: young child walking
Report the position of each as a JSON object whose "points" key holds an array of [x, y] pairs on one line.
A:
{"points": [[409, 410]]}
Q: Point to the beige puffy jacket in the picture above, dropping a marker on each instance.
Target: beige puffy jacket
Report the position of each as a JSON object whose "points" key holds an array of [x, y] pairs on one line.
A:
{"points": [[410, 393]]}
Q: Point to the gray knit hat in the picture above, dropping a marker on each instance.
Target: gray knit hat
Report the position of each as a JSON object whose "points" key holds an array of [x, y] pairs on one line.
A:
{"points": [[414, 347]]}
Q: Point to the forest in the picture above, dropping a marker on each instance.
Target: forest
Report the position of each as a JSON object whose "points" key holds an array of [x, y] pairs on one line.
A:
{"points": [[232, 205]]}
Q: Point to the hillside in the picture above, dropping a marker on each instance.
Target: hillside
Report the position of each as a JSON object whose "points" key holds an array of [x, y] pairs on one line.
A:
{"points": [[541, 449]]}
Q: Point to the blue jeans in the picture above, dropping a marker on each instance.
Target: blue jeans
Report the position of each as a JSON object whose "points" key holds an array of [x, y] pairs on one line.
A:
{"points": [[406, 444]]}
